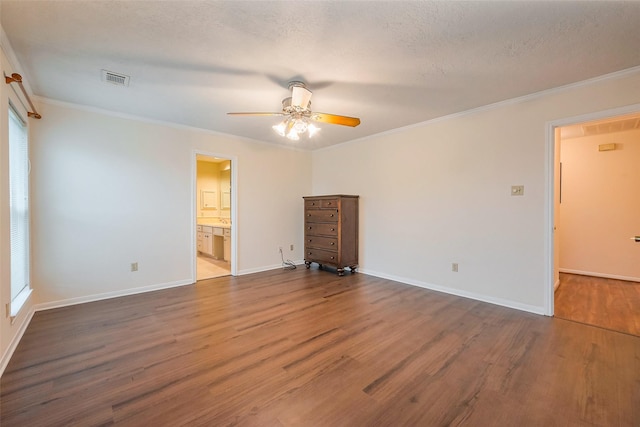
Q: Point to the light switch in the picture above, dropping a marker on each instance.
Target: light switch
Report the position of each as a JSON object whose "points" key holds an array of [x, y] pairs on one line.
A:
{"points": [[517, 190]]}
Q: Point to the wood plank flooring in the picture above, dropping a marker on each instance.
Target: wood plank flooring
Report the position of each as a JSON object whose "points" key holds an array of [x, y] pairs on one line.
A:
{"points": [[606, 303], [307, 348]]}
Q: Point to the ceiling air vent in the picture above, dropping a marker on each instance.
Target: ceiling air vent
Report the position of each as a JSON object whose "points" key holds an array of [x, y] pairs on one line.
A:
{"points": [[611, 126], [115, 78]]}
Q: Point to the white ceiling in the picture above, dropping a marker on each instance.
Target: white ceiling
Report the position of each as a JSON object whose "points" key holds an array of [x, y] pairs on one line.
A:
{"points": [[391, 63]]}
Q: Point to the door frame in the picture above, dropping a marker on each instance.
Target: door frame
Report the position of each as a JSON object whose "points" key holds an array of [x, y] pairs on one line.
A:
{"points": [[550, 207], [233, 259]]}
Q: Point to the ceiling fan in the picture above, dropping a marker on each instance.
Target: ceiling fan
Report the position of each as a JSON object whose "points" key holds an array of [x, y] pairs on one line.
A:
{"points": [[298, 116]]}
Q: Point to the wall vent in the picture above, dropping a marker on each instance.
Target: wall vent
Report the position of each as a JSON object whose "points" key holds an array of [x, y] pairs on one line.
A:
{"points": [[611, 126], [115, 78]]}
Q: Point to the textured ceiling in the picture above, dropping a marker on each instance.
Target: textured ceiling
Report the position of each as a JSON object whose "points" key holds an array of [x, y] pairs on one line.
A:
{"points": [[391, 63]]}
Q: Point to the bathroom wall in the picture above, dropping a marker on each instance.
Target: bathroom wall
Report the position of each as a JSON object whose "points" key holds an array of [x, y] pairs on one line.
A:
{"points": [[208, 188]]}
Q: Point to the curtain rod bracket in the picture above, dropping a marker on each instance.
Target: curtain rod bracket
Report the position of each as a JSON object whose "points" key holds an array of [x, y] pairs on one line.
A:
{"points": [[17, 78]]}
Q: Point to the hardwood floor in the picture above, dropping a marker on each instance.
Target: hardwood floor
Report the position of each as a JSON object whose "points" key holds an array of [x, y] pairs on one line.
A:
{"points": [[308, 348], [606, 303]]}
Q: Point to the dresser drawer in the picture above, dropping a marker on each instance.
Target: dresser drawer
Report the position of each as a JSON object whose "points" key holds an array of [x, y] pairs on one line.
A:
{"points": [[312, 204], [330, 243], [326, 215], [329, 203], [321, 229], [319, 255]]}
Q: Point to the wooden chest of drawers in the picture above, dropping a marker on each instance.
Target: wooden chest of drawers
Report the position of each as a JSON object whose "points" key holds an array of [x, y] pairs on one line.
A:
{"points": [[331, 231]]}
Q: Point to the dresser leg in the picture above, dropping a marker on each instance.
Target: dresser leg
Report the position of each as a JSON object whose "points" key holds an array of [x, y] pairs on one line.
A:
{"points": [[307, 264]]}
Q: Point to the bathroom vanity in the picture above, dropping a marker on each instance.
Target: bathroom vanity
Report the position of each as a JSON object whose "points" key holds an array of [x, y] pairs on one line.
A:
{"points": [[214, 240]]}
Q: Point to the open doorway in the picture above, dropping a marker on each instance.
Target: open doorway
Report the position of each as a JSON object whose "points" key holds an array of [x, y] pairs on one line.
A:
{"points": [[597, 260], [213, 217]]}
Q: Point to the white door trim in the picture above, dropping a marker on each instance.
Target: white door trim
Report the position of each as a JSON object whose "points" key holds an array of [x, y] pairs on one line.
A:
{"points": [[234, 209], [549, 207]]}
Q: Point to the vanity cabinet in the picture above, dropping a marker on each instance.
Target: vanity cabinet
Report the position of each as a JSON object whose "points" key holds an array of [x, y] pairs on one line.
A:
{"points": [[205, 240], [218, 244], [199, 238], [331, 231], [227, 244], [214, 241]]}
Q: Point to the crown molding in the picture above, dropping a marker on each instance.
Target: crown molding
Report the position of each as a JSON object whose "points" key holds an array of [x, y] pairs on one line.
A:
{"points": [[128, 116], [500, 104]]}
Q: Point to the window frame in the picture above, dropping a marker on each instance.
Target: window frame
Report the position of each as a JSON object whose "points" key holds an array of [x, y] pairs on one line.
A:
{"points": [[18, 299]]}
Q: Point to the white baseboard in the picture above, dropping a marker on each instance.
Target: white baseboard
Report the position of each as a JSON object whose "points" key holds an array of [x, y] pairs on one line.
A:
{"points": [[603, 275], [478, 297], [15, 341], [108, 295], [265, 268]]}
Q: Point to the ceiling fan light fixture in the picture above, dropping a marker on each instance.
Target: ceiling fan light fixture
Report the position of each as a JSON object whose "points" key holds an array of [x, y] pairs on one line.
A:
{"points": [[293, 135], [280, 128], [300, 125], [292, 127], [298, 116], [312, 129]]}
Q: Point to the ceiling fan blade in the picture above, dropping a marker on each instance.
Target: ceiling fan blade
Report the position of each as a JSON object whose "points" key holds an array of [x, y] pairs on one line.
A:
{"points": [[300, 96], [335, 119], [255, 114]]}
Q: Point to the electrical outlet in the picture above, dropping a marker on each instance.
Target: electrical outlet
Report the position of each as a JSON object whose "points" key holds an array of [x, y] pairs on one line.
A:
{"points": [[454, 267], [517, 190], [291, 247], [134, 266]]}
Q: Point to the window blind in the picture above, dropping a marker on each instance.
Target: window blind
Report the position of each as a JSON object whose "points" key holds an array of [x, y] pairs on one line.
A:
{"points": [[18, 203]]}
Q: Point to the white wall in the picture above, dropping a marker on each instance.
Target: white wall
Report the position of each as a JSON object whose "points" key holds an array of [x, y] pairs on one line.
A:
{"points": [[439, 193], [600, 207], [109, 191]]}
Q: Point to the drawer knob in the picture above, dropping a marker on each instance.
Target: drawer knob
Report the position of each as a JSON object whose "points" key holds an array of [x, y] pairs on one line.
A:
{"points": [[310, 228], [331, 215], [329, 203], [333, 257], [333, 229], [309, 240], [332, 243]]}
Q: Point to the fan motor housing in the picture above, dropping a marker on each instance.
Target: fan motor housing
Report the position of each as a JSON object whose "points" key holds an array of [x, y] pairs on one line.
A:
{"points": [[286, 104]]}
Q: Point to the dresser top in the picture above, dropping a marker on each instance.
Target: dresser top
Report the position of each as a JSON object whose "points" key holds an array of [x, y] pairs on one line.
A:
{"points": [[331, 196]]}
